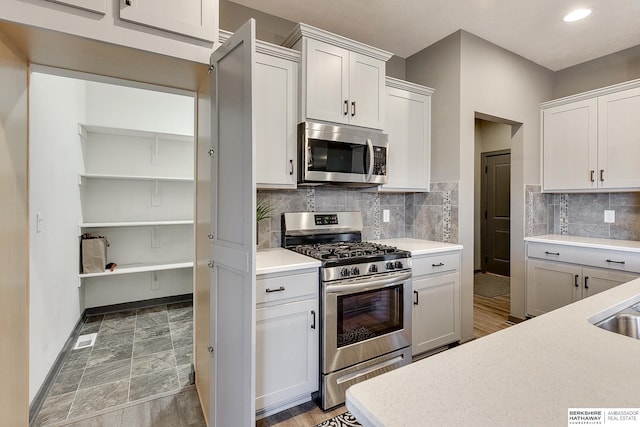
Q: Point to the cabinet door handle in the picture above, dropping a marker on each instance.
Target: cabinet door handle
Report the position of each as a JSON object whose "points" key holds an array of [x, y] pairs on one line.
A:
{"points": [[615, 262], [437, 265], [345, 110], [576, 281], [601, 175], [290, 167], [280, 289], [586, 282], [552, 253], [415, 301], [127, 2], [313, 314], [353, 108], [592, 172]]}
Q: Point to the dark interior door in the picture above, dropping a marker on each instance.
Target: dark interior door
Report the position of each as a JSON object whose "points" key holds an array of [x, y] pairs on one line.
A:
{"points": [[496, 191]]}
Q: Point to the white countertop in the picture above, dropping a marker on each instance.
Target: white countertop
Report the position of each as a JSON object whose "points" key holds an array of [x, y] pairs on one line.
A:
{"points": [[588, 242], [529, 374], [277, 260], [419, 247]]}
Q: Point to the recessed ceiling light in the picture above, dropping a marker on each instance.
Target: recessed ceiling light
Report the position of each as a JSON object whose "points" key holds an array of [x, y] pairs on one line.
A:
{"points": [[577, 15]]}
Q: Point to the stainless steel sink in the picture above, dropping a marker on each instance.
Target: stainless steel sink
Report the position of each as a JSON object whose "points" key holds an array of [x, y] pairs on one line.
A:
{"points": [[625, 322]]}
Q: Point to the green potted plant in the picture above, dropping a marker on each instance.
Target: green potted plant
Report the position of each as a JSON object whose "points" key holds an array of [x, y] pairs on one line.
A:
{"points": [[264, 209]]}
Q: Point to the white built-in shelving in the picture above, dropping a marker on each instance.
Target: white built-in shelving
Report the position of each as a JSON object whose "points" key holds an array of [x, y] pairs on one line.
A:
{"points": [[137, 190]]}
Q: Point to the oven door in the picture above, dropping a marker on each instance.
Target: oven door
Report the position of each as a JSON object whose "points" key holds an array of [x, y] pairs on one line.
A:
{"points": [[365, 318]]}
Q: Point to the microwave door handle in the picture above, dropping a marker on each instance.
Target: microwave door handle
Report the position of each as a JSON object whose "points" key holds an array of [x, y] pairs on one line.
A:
{"points": [[371, 159]]}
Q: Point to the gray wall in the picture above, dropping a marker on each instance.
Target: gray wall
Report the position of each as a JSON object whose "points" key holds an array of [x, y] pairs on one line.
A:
{"points": [[608, 70], [473, 77]]}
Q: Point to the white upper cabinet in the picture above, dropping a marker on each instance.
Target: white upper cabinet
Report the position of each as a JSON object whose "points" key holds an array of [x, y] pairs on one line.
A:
{"points": [[275, 96], [590, 140], [342, 81], [193, 18], [185, 29], [619, 139], [570, 145], [275, 92], [408, 124]]}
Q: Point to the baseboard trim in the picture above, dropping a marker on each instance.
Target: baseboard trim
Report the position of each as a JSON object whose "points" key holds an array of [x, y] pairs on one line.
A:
{"points": [[38, 400], [94, 311], [515, 320]]}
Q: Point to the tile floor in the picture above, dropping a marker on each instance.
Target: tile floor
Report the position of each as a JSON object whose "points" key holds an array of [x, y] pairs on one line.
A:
{"points": [[137, 354]]}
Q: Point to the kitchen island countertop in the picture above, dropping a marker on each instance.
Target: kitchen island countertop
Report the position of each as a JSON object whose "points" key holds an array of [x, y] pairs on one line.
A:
{"points": [[279, 260], [587, 242], [529, 374]]}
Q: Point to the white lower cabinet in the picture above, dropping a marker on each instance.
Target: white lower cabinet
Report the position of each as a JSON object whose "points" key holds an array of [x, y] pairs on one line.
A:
{"points": [[436, 301], [556, 278], [552, 285], [287, 343]]}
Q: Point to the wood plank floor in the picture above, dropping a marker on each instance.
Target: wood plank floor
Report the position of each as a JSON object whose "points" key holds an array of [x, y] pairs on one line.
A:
{"points": [[490, 314]]}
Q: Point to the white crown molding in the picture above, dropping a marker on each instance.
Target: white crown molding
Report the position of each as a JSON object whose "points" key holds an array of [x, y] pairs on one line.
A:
{"points": [[304, 30], [631, 84], [411, 87]]}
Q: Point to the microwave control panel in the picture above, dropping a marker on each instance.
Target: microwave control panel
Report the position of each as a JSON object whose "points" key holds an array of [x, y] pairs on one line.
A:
{"points": [[379, 161]]}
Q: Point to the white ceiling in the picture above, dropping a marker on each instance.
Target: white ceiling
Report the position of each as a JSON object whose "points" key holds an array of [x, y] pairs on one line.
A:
{"points": [[533, 29]]}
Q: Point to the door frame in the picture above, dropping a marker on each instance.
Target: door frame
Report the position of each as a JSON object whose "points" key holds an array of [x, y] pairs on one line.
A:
{"points": [[483, 204]]}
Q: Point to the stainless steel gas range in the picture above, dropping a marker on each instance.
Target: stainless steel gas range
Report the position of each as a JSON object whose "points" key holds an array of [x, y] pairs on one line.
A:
{"points": [[365, 304]]}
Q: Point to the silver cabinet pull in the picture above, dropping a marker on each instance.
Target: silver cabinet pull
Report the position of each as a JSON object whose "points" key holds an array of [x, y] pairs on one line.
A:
{"points": [[280, 289], [345, 110], [353, 108], [290, 167], [575, 282], [615, 262], [313, 314], [437, 265], [601, 175], [552, 253]]}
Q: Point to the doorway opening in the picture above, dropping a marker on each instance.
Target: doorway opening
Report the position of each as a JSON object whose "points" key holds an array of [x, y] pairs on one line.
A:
{"points": [[492, 211]]}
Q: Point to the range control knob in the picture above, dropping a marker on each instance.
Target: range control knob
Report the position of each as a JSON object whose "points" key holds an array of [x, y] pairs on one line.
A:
{"points": [[398, 264], [389, 266], [373, 268], [345, 272], [355, 271]]}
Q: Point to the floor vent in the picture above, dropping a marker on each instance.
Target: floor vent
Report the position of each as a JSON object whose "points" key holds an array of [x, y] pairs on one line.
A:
{"points": [[85, 341]]}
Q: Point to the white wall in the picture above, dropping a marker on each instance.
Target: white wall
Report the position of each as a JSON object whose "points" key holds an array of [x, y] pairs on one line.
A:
{"points": [[489, 136], [56, 106]]}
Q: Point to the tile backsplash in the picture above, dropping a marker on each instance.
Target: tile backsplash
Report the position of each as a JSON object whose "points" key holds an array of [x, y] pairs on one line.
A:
{"points": [[582, 214], [430, 216]]}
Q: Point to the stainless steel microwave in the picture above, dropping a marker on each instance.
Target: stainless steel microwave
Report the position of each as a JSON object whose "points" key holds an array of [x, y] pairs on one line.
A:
{"points": [[341, 155]]}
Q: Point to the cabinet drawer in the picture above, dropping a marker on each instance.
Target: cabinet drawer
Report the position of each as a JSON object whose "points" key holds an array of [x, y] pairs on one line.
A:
{"points": [[593, 257], [437, 263], [277, 288]]}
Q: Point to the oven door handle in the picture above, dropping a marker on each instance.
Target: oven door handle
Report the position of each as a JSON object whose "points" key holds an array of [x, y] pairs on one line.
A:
{"points": [[365, 284], [371, 159]]}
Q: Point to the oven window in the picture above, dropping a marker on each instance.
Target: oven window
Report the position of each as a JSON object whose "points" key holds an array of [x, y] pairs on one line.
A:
{"points": [[328, 156], [369, 314]]}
